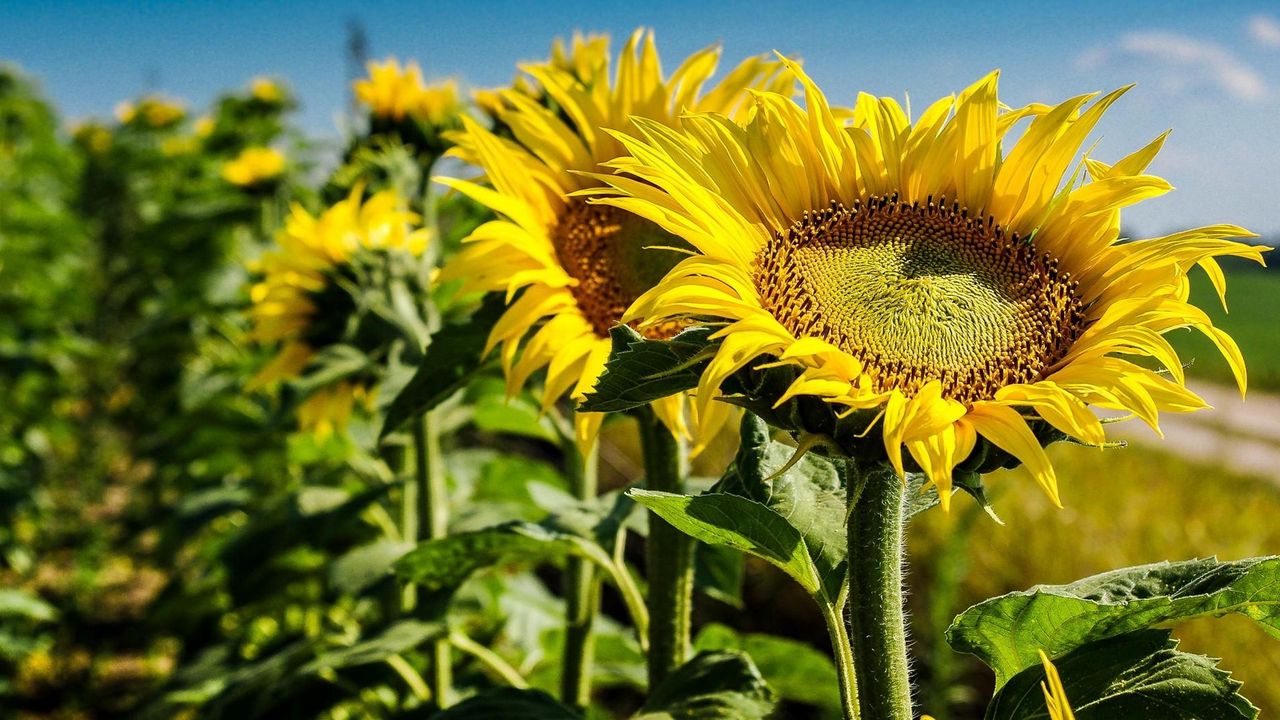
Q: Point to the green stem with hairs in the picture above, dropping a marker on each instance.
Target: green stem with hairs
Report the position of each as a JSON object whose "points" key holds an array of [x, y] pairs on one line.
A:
{"points": [[670, 553], [582, 596], [877, 618], [839, 633]]}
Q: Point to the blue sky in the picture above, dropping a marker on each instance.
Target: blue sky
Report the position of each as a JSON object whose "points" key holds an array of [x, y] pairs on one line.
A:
{"points": [[1210, 71]]}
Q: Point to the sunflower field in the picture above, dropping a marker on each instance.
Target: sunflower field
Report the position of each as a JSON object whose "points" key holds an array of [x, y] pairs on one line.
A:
{"points": [[642, 387]]}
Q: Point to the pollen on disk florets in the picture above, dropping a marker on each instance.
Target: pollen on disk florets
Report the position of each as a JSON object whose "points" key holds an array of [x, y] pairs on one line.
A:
{"points": [[920, 292], [615, 257]]}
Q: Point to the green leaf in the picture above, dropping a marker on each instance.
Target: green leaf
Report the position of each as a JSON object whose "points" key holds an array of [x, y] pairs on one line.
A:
{"points": [[794, 670], [366, 565], [741, 523], [1006, 632], [400, 637], [445, 563], [320, 499], [509, 703], [711, 686], [640, 371], [330, 365], [512, 416], [450, 360], [810, 495], [20, 603], [1137, 676], [718, 571]]}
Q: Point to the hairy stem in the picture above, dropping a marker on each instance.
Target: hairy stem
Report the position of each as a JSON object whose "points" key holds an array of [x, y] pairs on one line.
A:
{"points": [[582, 599], [670, 554], [839, 634], [877, 620]]}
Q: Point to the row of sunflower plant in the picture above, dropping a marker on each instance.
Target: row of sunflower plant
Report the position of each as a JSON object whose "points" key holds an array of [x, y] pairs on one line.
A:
{"points": [[842, 283], [387, 475]]}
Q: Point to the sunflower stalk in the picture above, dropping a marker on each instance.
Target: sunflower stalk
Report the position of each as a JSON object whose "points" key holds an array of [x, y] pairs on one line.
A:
{"points": [[426, 517], [582, 596], [426, 503], [670, 553], [877, 618]]}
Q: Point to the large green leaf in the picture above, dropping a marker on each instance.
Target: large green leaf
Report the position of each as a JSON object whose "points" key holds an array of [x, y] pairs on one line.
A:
{"points": [[1136, 676], [445, 563], [1006, 632], [741, 523], [809, 495], [640, 371], [509, 703], [450, 360], [711, 686], [794, 670]]}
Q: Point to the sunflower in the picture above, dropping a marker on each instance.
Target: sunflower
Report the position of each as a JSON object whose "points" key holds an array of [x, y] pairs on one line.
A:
{"points": [[152, 111], [297, 303], [582, 59], [266, 91], [394, 93], [914, 270], [204, 126], [579, 265], [254, 166]]}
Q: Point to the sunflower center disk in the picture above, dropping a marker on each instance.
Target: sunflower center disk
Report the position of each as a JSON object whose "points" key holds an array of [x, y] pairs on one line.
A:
{"points": [[920, 293], [615, 257]]}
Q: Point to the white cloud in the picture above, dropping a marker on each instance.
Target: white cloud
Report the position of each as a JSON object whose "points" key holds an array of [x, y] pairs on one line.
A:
{"points": [[1186, 62], [1265, 30]]}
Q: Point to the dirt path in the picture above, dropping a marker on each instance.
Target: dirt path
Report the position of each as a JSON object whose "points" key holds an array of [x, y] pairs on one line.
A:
{"points": [[1243, 436]]}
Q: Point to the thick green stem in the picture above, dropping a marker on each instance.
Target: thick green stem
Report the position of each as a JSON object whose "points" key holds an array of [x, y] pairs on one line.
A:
{"points": [[670, 554], [582, 598], [426, 517], [844, 660], [877, 619]]}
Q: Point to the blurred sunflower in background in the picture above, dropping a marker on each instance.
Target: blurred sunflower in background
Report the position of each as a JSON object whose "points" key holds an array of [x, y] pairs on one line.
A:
{"points": [[254, 167], [300, 304], [92, 136], [575, 266], [267, 91], [204, 126], [399, 102], [917, 272], [152, 111]]}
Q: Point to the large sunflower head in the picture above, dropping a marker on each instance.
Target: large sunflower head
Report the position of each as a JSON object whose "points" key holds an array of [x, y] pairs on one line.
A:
{"points": [[300, 303], [914, 271], [570, 267]]}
